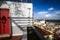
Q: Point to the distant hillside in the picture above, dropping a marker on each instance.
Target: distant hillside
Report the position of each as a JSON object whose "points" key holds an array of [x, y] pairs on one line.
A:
{"points": [[55, 21]]}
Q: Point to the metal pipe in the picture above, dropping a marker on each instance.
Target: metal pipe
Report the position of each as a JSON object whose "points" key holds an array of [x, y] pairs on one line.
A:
{"points": [[20, 0], [29, 1]]}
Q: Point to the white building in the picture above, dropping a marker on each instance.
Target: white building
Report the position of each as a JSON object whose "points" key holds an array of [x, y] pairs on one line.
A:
{"points": [[39, 22], [21, 15]]}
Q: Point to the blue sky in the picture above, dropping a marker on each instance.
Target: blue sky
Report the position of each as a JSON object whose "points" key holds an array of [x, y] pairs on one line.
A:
{"points": [[46, 9]]}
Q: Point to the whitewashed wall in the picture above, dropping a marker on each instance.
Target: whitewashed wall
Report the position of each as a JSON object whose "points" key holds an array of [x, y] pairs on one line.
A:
{"points": [[19, 13], [18, 9]]}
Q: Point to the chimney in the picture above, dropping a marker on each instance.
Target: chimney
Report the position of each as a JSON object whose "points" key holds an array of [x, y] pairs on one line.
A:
{"points": [[29, 1], [20, 0]]}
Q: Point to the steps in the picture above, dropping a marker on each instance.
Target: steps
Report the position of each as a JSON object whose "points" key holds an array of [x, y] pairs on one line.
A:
{"points": [[24, 34], [22, 24]]}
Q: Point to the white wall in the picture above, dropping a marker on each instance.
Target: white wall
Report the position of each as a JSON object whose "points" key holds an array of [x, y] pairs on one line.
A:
{"points": [[18, 9]]}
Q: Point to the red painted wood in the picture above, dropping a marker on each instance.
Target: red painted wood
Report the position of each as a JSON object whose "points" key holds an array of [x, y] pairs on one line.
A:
{"points": [[4, 21]]}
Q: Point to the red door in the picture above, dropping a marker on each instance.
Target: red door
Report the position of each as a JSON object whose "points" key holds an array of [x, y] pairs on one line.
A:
{"points": [[4, 21]]}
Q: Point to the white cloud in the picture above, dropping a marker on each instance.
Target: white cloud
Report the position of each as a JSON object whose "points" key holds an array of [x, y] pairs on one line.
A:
{"points": [[51, 8], [57, 12], [48, 15], [42, 12]]}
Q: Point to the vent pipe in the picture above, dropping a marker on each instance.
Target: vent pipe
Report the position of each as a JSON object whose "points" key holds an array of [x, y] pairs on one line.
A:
{"points": [[20, 0], [29, 1]]}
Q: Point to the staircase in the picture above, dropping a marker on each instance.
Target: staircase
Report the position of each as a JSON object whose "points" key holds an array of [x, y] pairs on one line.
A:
{"points": [[24, 33], [22, 23]]}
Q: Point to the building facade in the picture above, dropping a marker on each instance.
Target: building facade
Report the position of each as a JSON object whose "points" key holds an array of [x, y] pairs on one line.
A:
{"points": [[21, 16]]}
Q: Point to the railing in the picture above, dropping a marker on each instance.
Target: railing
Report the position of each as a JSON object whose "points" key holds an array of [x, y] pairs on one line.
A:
{"points": [[46, 32]]}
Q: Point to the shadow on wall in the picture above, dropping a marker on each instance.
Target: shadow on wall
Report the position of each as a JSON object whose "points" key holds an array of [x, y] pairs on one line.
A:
{"points": [[2, 2]]}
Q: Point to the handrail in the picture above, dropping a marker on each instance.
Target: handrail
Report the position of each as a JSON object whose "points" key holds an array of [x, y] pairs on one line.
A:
{"points": [[47, 32]]}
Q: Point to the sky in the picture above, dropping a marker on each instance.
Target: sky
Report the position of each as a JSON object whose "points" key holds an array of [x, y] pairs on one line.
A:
{"points": [[46, 9]]}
